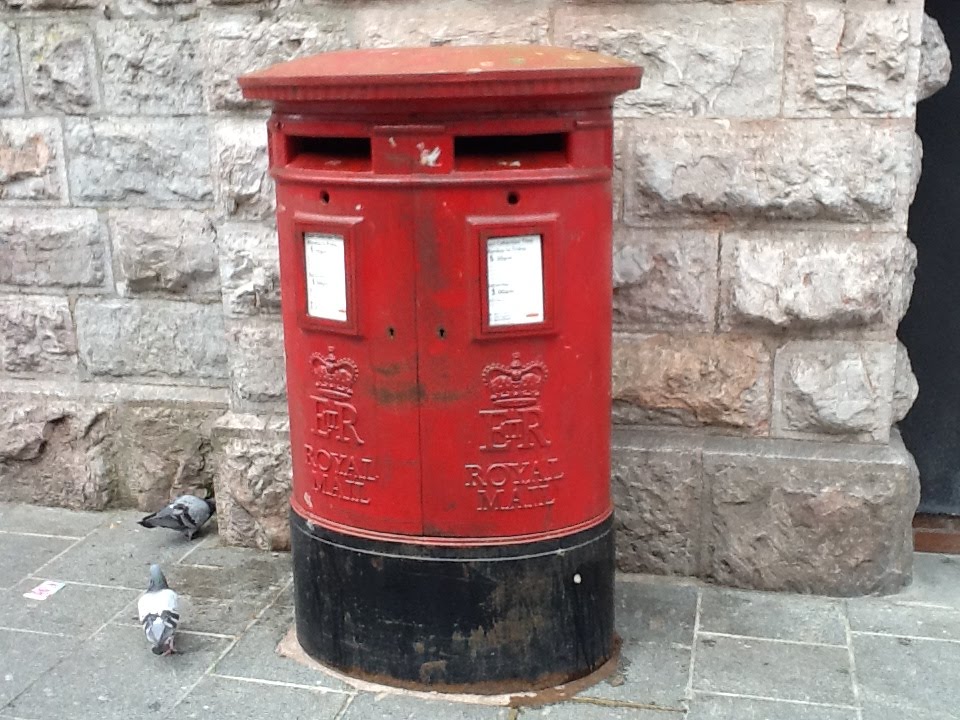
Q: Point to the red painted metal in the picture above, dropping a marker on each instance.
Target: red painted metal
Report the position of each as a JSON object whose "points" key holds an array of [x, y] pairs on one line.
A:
{"points": [[416, 414]]}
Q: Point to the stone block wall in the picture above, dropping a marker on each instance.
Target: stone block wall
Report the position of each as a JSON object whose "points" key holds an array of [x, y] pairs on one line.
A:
{"points": [[764, 173]]}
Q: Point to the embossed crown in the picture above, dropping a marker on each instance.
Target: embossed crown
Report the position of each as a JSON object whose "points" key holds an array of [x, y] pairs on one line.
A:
{"points": [[515, 384], [335, 376]]}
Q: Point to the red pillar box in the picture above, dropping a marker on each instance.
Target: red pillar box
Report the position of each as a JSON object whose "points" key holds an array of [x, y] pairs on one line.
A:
{"points": [[444, 219]]}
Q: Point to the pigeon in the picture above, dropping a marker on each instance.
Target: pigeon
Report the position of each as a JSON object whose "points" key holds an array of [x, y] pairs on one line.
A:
{"points": [[159, 613], [187, 514]]}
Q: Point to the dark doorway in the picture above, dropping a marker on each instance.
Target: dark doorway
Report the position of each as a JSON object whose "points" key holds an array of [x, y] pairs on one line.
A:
{"points": [[931, 328]]}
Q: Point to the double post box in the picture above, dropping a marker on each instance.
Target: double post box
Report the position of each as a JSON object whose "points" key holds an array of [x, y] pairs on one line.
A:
{"points": [[444, 220]]}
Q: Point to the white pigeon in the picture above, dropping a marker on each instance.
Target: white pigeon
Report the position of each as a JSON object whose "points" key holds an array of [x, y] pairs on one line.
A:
{"points": [[159, 612], [187, 514]]}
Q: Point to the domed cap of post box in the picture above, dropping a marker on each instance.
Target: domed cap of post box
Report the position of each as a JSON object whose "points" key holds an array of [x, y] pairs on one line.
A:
{"points": [[492, 74]]}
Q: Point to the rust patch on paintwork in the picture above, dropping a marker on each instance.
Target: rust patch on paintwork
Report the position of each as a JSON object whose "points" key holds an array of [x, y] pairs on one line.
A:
{"points": [[393, 396], [391, 370]]}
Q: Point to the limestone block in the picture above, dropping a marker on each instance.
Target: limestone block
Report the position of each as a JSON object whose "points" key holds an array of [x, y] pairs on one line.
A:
{"points": [[698, 59], [11, 86], [54, 452], [806, 517], [36, 334], [906, 275], [168, 251], [60, 67], [156, 160], [905, 387], [272, 4], [847, 171], [245, 189], [30, 5], [807, 279], [162, 451], [692, 380], [617, 181], [31, 159], [252, 479], [150, 67], [249, 269], [857, 58], [257, 366], [836, 388], [664, 277], [657, 483], [52, 248], [152, 338], [935, 65], [239, 43], [462, 22], [158, 9]]}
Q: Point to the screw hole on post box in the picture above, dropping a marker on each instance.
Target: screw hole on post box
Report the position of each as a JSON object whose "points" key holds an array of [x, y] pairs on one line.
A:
{"points": [[325, 197], [391, 332], [513, 198]]}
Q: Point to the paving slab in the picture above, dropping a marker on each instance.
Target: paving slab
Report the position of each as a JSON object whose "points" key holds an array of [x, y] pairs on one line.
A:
{"points": [[49, 521], [936, 581], [114, 676], [655, 611], [773, 669], [369, 706], [917, 676], [908, 620], [287, 596], [590, 711], [119, 553], [718, 707], [255, 655], [257, 582], [872, 711], [776, 616], [26, 657], [223, 699], [655, 622], [24, 554], [648, 674], [74, 610], [214, 553], [206, 615]]}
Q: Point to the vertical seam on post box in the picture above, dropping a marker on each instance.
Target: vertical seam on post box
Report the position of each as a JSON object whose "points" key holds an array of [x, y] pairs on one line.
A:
{"points": [[417, 216]]}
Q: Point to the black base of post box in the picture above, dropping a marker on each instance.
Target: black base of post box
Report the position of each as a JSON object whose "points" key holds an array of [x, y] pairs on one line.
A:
{"points": [[474, 619]]}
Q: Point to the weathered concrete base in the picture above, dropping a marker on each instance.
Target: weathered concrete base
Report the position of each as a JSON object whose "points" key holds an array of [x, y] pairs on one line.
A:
{"points": [[252, 475], [96, 445], [810, 517]]}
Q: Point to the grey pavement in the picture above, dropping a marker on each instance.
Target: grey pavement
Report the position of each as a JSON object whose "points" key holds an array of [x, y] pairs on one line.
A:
{"points": [[689, 650]]}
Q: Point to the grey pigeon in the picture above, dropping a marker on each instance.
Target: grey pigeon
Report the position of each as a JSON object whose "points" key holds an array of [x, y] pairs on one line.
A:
{"points": [[186, 514], [159, 612]]}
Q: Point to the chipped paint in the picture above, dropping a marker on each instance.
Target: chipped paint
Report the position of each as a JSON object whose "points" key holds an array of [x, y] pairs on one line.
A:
{"points": [[429, 158]]}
